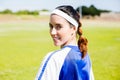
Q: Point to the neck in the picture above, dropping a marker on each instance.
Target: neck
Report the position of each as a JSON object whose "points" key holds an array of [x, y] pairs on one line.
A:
{"points": [[72, 42]]}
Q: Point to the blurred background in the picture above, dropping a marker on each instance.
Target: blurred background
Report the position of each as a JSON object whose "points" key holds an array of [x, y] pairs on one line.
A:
{"points": [[25, 39]]}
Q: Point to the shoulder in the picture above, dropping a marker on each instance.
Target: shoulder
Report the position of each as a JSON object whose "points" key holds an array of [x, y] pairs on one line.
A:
{"points": [[57, 54]]}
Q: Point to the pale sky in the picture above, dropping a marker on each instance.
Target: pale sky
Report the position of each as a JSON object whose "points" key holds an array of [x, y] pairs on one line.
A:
{"points": [[15, 5]]}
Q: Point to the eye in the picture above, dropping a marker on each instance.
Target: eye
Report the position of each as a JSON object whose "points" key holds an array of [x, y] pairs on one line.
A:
{"points": [[58, 27]]}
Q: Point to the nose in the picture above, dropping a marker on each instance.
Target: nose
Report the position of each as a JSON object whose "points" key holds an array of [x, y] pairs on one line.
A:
{"points": [[53, 31]]}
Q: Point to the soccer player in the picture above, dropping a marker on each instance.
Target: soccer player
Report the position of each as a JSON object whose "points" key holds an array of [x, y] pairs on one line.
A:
{"points": [[71, 61]]}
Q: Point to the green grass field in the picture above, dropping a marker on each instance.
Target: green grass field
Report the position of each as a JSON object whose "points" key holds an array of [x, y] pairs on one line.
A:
{"points": [[24, 44]]}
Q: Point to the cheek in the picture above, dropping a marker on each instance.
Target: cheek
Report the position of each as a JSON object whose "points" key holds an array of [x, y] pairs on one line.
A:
{"points": [[66, 34]]}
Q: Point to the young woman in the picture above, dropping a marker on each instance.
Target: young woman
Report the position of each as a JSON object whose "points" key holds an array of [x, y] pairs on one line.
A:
{"points": [[72, 61]]}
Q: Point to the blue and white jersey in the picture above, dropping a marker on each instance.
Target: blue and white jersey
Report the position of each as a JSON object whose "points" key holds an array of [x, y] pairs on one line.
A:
{"points": [[66, 64]]}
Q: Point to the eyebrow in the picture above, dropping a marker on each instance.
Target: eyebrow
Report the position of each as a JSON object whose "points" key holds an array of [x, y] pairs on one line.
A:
{"points": [[55, 24]]}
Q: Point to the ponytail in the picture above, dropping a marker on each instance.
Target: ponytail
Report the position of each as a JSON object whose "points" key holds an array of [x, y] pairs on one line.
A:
{"points": [[82, 42]]}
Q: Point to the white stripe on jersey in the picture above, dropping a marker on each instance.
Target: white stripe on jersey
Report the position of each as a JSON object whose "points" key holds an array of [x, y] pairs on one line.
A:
{"points": [[91, 74]]}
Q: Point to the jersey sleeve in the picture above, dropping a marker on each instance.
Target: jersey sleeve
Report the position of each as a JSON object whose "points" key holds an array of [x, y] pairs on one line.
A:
{"points": [[47, 69], [51, 65]]}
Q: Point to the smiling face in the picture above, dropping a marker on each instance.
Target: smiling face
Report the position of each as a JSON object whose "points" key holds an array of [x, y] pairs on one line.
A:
{"points": [[61, 31]]}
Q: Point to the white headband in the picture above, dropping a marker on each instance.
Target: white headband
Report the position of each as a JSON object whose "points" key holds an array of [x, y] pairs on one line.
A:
{"points": [[67, 17]]}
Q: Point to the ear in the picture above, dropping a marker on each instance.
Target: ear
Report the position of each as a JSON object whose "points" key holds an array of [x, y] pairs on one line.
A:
{"points": [[74, 28]]}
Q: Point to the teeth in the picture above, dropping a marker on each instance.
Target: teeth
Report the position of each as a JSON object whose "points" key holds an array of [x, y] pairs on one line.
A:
{"points": [[56, 38]]}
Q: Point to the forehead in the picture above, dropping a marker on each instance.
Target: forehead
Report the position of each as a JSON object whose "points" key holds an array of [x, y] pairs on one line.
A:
{"points": [[57, 19]]}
